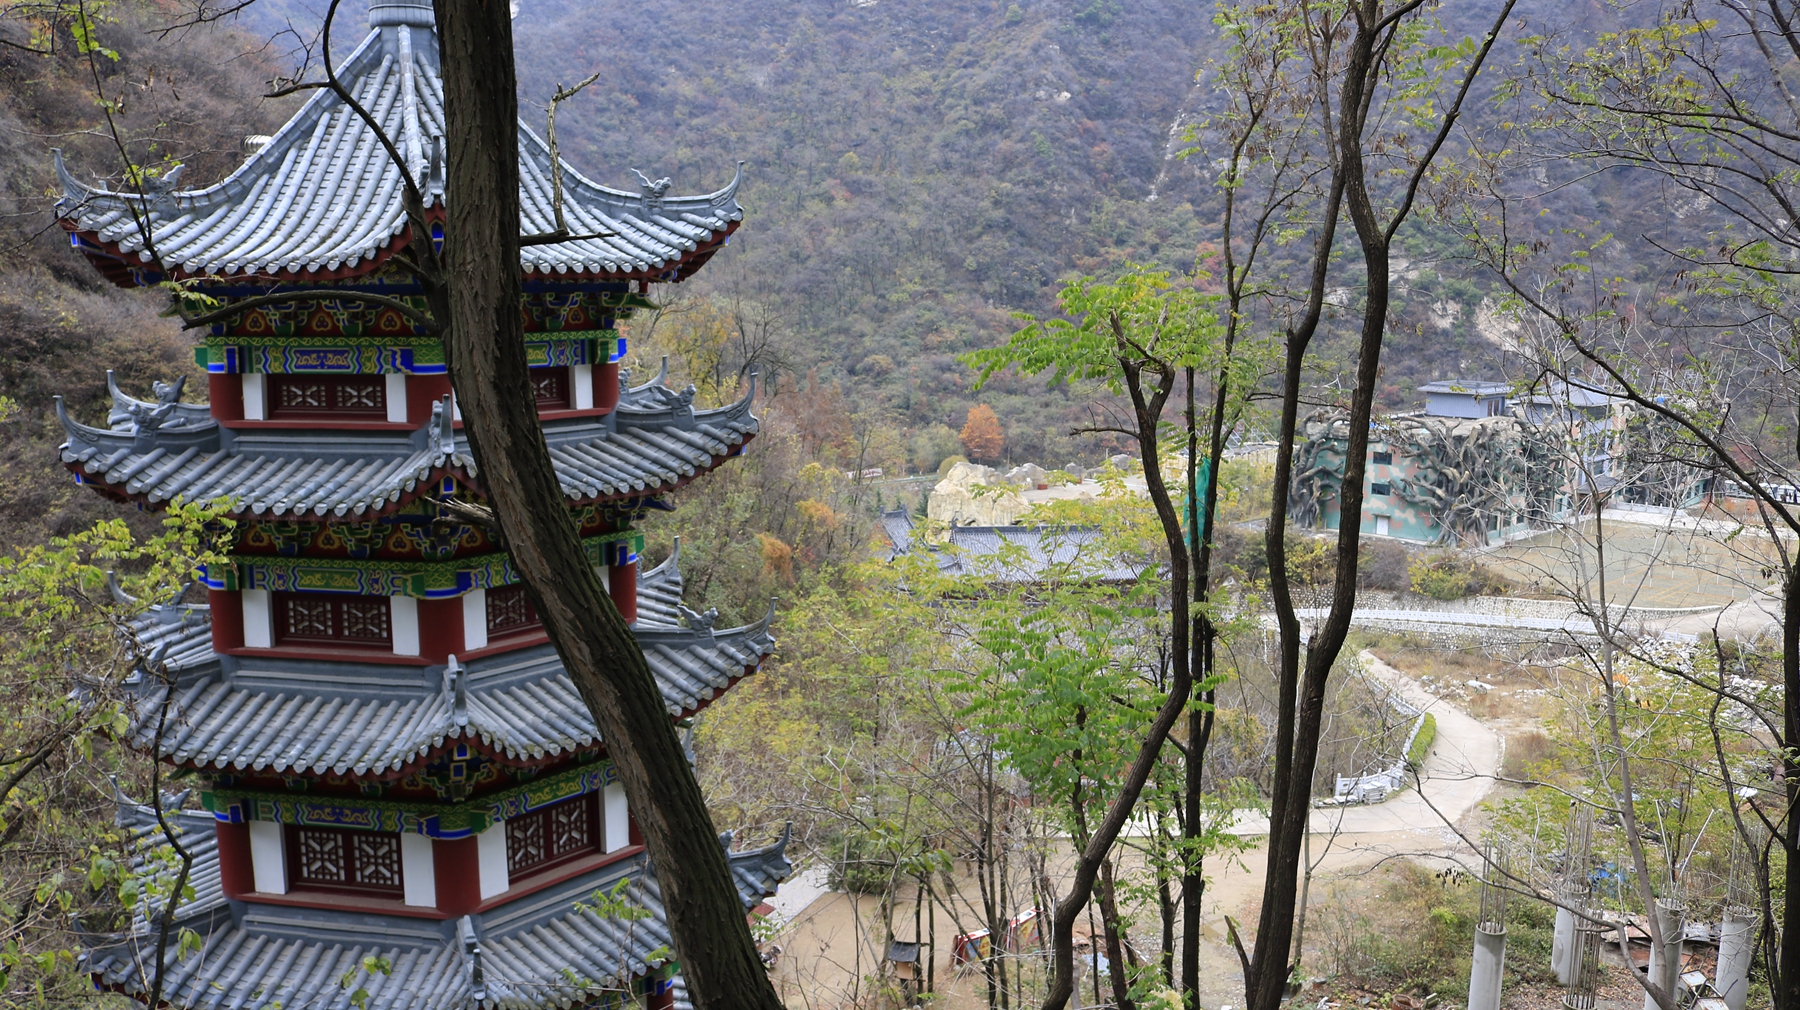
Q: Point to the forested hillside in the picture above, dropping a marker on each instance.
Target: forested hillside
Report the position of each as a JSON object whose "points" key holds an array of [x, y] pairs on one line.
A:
{"points": [[916, 173], [188, 98]]}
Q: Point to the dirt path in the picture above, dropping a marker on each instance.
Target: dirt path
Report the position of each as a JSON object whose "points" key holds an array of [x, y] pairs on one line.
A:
{"points": [[826, 948], [1456, 776]]}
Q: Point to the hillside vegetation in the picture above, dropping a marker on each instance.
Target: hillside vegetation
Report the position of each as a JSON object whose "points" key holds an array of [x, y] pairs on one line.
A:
{"points": [[917, 172]]}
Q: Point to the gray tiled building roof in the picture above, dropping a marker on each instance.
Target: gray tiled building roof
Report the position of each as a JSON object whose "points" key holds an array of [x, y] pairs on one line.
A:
{"points": [[323, 199], [654, 441], [235, 714], [257, 956], [1013, 553]]}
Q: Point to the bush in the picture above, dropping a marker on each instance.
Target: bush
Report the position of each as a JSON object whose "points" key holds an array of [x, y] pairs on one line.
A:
{"points": [[949, 461], [1421, 744], [1401, 928], [1524, 753], [1383, 565], [1442, 578]]}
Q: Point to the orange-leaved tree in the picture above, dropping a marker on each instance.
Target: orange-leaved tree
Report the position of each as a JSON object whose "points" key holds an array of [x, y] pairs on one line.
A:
{"points": [[982, 434]]}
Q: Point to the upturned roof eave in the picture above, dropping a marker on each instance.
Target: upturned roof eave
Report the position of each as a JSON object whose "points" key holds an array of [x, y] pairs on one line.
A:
{"points": [[485, 739], [422, 488], [119, 267]]}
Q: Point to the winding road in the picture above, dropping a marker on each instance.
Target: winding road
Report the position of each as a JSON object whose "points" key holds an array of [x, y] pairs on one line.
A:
{"points": [[1457, 774]]}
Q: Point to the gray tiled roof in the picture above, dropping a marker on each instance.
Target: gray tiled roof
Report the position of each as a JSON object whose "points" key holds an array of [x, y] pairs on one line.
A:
{"points": [[655, 441], [150, 849], [289, 716], [324, 200], [1012, 553], [262, 956]]}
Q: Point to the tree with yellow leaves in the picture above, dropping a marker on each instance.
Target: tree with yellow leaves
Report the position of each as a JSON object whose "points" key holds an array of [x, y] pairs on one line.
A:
{"points": [[982, 434]]}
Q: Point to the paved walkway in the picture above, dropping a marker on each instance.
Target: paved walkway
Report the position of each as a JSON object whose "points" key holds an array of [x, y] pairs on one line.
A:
{"points": [[1457, 774]]}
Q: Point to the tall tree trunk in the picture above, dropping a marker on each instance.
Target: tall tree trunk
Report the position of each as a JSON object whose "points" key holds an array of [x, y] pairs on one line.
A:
{"points": [[1297, 744], [1148, 413], [1165, 904], [1785, 973], [485, 343], [1115, 939]]}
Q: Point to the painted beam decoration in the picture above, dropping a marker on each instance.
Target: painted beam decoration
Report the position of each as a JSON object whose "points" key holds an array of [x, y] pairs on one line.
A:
{"points": [[426, 580], [434, 820], [239, 353]]}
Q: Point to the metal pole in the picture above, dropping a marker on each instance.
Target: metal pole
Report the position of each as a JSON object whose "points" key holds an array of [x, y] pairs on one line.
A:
{"points": [[1488, 966], [1573, 890], [1584, 960]]}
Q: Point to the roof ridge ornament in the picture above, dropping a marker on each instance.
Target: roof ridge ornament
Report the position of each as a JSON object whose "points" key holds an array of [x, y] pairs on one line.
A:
{"points": [[652, 197], [471, 950], [456, 685], [443, 425], [701, 623], [411, 13]]}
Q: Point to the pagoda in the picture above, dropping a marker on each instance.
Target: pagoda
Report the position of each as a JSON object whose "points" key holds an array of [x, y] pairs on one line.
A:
{"points": [[402, 791]]}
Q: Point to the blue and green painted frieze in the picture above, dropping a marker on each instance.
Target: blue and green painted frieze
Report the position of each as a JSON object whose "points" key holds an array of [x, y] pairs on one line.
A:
{"points": [[373, 355], [436, 820], [426, 580]]}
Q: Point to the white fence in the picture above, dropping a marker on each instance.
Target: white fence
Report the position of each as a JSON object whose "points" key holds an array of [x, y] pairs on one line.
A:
{"points": [[1378, 786]]}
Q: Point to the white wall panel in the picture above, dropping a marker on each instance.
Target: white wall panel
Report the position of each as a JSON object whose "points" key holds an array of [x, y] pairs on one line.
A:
{"points": [[617, 817], [255, 408], [259, 625], [582, 377], [396, 397], [491, 847], [268, 857], [474, 604], [406, 625], [418, 871]]}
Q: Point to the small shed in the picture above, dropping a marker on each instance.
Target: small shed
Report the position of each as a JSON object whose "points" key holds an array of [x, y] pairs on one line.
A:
{"points": [[905, 958]]}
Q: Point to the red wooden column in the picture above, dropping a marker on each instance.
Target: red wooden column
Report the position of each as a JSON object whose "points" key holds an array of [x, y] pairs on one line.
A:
{"points": [[422, 393], [606, 386], [456, 866], [236, 876], [441, 628], [622, 582], [227, 619], [225, 395]]}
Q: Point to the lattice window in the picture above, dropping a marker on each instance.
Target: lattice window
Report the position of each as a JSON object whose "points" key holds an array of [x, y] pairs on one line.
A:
{"points": [[554, 835], [309, 617], [525, 843], [509, 612], [550, 386], [302, 395], [321, 855], [367, 620], [336, 859], [360, 621], [569, 826], [361, 396], [328, 397], [375, 859]]}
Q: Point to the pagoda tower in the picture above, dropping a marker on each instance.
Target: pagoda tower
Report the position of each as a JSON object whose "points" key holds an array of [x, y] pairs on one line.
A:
{"points": [[396, 771]]}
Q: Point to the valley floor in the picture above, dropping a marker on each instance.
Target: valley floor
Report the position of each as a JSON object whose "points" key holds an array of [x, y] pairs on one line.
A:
{"points": [[828, 949]]}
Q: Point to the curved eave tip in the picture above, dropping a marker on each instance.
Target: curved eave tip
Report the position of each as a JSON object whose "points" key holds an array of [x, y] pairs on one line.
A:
{"points": [[73, 188], [729, 193]]}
